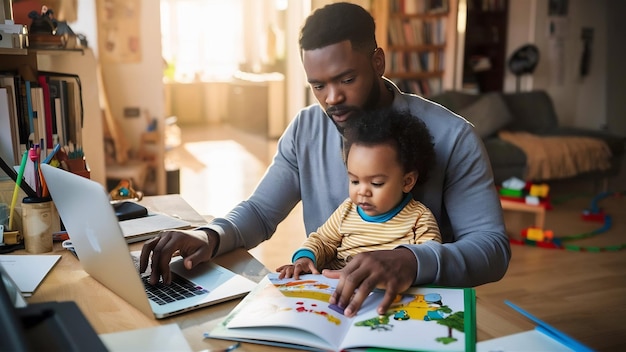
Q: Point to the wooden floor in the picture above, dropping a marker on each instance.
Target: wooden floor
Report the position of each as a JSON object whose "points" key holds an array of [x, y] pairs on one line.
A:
{"points": [[583, 294]]}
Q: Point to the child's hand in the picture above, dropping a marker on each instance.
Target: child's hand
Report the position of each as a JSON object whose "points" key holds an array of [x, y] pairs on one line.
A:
{"points": [[301, 266]]}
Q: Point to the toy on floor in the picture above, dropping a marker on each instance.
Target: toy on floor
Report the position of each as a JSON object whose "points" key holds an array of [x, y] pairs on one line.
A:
{"points": [[545, 238], [525, 192], [125, 191]]}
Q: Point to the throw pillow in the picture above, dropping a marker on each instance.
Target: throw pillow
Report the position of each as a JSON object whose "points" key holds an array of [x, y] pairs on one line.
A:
{"points": [[488, 114]]}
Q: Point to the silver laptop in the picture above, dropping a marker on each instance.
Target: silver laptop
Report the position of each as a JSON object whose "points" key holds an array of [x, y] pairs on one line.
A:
{"points": [[99, 242]]}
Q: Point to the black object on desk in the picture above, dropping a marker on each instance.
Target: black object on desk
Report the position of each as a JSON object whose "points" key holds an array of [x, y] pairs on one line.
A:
{"points": [[129, 210], [48, 326]]}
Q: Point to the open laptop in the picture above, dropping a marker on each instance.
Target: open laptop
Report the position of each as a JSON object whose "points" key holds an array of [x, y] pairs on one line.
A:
{"points": [[94, 230]]}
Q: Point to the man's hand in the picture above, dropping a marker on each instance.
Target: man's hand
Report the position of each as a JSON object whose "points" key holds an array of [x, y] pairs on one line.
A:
{"points": [[195, 246], [301, 266], [391, 270]]}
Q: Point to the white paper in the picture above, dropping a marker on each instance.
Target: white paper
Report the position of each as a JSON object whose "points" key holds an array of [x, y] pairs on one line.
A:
{"points": [[531, 340], [159, 338], [28, 271]]}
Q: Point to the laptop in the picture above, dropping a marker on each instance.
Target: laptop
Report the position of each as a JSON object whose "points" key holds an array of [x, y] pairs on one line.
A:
{"points": [[99, 243]]}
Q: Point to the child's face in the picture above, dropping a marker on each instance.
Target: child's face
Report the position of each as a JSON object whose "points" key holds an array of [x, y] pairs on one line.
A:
{"points": [[377, 180]]}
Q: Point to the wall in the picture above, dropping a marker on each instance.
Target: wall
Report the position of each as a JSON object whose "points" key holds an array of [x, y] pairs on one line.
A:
{"points": [[131, 85], [579, 101], [615, 58], [140, 84]]}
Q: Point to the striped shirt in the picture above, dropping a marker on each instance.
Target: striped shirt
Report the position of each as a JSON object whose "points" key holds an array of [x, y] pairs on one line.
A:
{"points": [[346, 234]]}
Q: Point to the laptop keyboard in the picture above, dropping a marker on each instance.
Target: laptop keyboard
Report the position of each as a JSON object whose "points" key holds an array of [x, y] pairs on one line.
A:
{"points": [[179, 289]]}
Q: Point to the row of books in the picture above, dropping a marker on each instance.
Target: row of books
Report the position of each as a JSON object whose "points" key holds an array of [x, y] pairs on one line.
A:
{"points": [[45, 111], [425, 87], [415, 62], [415, 7], [417, 31]]}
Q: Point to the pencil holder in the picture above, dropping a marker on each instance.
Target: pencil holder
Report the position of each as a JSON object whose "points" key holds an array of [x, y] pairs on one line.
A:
{"points": [[40, 220]]}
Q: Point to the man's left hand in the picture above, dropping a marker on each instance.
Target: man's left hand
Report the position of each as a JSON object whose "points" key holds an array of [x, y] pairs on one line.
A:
{"points": [[391, 270]]}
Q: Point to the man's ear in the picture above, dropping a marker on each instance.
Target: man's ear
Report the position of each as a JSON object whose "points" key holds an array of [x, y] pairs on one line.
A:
{"points": [[410, 178], [378, 61]]}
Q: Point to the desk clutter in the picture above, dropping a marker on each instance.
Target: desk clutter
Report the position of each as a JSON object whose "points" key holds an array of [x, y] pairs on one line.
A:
{"points": [[36, 221], [60, 282]]}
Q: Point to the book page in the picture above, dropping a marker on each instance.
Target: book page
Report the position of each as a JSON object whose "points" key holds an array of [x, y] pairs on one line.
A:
{"points": [[426, 319], [296, 304], [297, 312]]}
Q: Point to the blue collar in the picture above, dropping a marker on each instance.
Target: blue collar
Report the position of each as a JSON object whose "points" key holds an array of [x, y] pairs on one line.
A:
{"points": [[388, 215]]}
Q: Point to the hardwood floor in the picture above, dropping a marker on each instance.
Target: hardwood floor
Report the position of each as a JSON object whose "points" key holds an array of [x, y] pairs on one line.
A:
{"points": [[583, 294]]}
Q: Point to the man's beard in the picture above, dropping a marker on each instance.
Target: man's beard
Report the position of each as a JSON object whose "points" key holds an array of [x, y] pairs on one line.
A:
{"points": [[371, 103]]}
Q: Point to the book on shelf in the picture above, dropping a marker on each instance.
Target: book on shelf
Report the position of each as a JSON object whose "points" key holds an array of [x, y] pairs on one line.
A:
{"points": [[8, 130], [296, 313], [47, 106], [48, 109]]}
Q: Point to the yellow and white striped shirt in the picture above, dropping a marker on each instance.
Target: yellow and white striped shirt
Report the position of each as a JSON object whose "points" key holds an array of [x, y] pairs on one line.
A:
{"points": [[346, 234]]}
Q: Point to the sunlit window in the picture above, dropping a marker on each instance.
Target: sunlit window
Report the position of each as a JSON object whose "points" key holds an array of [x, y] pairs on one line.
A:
{"points": [[202, 40]]}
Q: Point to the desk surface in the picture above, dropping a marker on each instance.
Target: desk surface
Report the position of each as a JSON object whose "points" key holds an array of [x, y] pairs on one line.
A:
{"points": [[109, 313]]}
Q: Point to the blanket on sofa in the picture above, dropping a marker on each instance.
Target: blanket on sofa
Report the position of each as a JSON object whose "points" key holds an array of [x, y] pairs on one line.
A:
{"points": [[552, 157]]}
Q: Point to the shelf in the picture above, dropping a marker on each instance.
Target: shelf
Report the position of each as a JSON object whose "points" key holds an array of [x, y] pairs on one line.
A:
{"points": [[418, 48], [13, 51], [47, 51], [418, 15], [485, 37], [414, 75], [417, 43]]}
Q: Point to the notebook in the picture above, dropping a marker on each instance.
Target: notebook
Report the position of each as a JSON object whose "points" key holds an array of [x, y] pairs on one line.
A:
{"points": [[100, 245], [141, 229]]}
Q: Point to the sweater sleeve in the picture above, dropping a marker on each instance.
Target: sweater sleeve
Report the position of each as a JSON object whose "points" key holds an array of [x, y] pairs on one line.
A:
{"points": [[476, 249], [255, 219], [325, 241]]}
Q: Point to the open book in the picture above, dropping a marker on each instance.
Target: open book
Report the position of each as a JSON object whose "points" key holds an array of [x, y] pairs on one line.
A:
{"points": [[296, 313]]}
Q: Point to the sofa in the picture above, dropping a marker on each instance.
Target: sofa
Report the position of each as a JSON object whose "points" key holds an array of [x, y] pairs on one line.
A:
{"points": [[496, 115]]}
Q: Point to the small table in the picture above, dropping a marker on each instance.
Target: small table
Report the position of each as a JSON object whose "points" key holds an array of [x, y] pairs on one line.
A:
{"points": [[538, 210]]}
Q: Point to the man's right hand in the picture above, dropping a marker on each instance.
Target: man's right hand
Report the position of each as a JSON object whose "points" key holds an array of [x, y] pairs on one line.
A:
{"points": [[195, 246]]}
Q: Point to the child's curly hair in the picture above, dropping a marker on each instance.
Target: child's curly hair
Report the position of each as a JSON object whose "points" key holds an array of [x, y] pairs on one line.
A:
{"points": [[406, 133]]}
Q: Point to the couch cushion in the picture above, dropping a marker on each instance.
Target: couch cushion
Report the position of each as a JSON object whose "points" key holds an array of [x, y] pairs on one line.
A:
{"points": [[533, 112], [488, 114], [455, 100]]}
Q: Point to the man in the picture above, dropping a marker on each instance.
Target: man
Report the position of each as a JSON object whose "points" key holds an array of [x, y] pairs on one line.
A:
{"points": [[344, 68]]}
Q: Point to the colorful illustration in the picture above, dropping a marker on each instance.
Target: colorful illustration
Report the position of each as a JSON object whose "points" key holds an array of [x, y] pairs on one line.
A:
{"points": [[428, 307], [298, 312], [308, 289]]}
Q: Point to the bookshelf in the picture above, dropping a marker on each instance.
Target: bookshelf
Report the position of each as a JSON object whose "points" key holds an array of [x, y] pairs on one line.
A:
{"points": [[81, 63], [484, 58], [416, 37]]}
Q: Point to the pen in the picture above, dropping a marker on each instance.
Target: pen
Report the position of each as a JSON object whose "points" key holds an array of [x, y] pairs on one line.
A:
{"points": [[33, 154], [52, 153]]}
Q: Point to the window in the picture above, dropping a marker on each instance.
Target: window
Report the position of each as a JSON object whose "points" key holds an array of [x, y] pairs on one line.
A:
{"points": [[202, 40]]}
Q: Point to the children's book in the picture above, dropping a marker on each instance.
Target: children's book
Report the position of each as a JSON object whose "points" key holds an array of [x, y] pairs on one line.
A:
{"points": [[296, 313]]}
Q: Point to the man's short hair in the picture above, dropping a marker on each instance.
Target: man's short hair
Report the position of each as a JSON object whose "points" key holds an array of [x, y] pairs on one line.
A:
{"points": [[336, 23]]}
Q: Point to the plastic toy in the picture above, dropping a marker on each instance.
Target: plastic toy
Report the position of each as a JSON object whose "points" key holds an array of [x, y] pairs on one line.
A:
{"points": [[545, 238]]}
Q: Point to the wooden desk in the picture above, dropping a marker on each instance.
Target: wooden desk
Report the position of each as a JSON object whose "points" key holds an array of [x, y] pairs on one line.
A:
{"points": [[109, 313]]}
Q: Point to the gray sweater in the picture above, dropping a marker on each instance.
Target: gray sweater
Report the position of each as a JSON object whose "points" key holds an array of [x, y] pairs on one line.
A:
{"points": [[308, 167]]}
